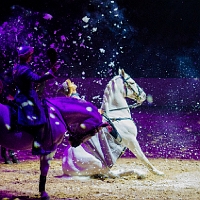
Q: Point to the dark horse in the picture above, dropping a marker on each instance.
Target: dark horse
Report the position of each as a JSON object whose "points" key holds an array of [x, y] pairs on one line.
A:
{"points": [[62, 114]]}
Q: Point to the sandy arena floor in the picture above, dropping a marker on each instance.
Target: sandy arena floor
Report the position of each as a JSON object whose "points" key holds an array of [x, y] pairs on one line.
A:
{"points": [[181, 182]]}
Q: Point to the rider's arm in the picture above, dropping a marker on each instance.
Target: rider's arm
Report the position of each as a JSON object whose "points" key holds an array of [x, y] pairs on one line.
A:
{"points": [[33, 77]]}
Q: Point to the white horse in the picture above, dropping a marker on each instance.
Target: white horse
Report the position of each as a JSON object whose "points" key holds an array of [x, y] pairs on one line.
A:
{"points": [[100, 153]]}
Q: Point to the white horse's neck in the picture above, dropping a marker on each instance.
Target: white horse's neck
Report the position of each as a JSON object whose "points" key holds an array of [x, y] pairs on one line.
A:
{"points": [[114, 102]]}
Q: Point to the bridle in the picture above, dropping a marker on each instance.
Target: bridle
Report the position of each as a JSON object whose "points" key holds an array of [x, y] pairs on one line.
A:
{"points": [[128, 86]]}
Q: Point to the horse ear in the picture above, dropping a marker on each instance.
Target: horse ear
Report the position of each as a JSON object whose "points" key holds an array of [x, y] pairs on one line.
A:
{"points": [[68, 82], [122, 72]]}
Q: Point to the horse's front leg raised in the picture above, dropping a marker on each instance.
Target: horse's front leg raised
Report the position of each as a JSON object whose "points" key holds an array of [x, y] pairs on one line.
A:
{"points": [[44, 168], [134, 146]]}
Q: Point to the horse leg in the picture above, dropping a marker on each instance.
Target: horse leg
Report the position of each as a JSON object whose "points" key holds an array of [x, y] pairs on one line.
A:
{"points": [[4, 156], [44, 168], [12, 156], [121, 173], [136, 149], [77, 161]]}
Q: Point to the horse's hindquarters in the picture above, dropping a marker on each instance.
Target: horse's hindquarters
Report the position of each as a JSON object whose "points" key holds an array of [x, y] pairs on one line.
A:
{"points": [[77, 161], [96, 156]]}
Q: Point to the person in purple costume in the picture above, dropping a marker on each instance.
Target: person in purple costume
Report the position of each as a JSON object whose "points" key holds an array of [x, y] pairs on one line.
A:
{"points": [[31, 115]]}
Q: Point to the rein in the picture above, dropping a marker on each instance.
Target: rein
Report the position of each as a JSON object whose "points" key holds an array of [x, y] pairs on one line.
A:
{"points": [[135, 105], [119, 119], [114, 133]]}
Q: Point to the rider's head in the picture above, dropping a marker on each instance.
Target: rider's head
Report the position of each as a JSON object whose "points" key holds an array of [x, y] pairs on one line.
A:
{"points": [[71, 87], [67, 88], [25, 53]]}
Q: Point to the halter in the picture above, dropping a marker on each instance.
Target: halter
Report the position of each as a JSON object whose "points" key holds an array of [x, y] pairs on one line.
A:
{"points": [[128, 86]]}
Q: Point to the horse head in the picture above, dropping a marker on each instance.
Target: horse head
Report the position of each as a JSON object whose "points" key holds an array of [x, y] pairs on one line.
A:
{"points": [[120, 87], [131, 88]]}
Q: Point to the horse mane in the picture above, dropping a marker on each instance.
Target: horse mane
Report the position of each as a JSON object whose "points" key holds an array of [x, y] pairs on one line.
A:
{"points": [[109, 91]]}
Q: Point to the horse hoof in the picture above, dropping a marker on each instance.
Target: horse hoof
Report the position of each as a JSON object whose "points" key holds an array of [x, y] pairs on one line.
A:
{"points": [[157, 172], [15, 160], [99, 176], [141, 176], [44, 196], [8, 162]]}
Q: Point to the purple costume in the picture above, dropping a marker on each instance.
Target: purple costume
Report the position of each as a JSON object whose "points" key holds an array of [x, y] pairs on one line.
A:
{"points": [[30, 112]]}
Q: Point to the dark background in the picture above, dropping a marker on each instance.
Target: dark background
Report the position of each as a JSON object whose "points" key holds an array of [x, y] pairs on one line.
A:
{"points": [[148, 38]]}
